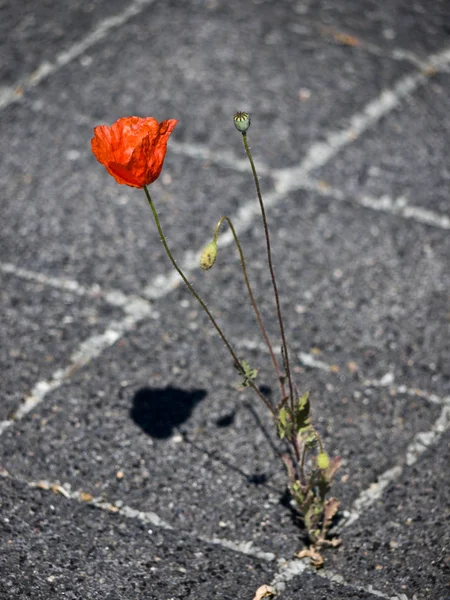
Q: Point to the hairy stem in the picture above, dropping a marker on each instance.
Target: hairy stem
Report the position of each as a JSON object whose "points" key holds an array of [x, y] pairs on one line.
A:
{"points": [[237, 362], [252, 298], [271, 269]]}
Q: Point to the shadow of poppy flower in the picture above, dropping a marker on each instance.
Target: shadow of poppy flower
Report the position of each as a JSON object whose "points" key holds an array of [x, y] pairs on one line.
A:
{"points": [[159, 411]]}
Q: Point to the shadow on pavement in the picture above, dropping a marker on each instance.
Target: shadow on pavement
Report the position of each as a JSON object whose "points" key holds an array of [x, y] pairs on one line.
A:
{"points": [[159, 412]]}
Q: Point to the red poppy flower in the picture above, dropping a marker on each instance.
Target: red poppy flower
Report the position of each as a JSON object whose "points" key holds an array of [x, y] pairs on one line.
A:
{"points": [[133, 148]]}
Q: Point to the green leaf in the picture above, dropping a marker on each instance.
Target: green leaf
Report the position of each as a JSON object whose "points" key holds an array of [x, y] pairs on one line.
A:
{"points": [[302, 410], [248, 374], [282, 422]]}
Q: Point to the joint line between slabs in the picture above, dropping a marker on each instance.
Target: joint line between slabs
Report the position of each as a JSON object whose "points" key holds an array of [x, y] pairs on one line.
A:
{"points": [[129, 303], [146, 517], [399, 206], [320, 153], [86, 351], [14, 93], [421, 442], [137, 309], [287, 180], [396, 206], [287, 570]]}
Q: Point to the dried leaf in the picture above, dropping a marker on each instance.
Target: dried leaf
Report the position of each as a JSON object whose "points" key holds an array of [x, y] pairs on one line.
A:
{"points": [[289, 466], [335, 464], [352, 366], [85, 497], [335, 542], [330, 509], [347, 40], [315, 558], [265, 591]]}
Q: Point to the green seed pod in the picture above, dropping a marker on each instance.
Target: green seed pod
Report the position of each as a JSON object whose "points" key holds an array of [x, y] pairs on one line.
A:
{"points": [[242, 121], [208, 256], [323, 462]]}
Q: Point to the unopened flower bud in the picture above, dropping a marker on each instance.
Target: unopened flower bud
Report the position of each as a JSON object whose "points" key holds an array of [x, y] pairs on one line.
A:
{"points": [[242, 121], [323, 462], [208, 257]]}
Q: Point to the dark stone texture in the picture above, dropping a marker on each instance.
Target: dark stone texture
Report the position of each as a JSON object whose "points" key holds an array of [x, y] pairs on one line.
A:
{"points": [[32, 33], [316, 588], [210, 466], [41, 327], [402, 542], [213, 61], [418, 27], [54, 547]]}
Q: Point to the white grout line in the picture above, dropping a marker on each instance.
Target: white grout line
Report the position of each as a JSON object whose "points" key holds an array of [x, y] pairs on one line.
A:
{"points": [[320, 153], [424, 440], [421, 442], [128, 303], [336, 578], [69, 285], [287, 570], [247, 548], [11, 94], [387, 381], [146, 517], [287, 179], [136, 310], [306, 359], [221, 158], [243, 219], [399, 206], [396, 206]]}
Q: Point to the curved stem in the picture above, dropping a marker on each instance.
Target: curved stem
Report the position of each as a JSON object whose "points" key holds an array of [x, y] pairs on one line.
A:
{"points": [[202, 303], [272, 272], [252, 298]]}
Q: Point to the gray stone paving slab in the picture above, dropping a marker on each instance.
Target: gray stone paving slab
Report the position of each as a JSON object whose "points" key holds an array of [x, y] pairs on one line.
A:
{"points": [[402, 158], [233, 56], [408, 551], [67, 217], [159, 409], [54, 547], [417, 27], [40, 329], [38, 31]]}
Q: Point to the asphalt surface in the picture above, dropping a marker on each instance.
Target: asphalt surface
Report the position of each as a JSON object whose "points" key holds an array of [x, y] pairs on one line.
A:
{"points": [[131, 465]]}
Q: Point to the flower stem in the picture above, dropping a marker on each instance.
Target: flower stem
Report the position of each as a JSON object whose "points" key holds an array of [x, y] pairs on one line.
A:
{"points": [[252, 298], [236, 360], [272, 272]]}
